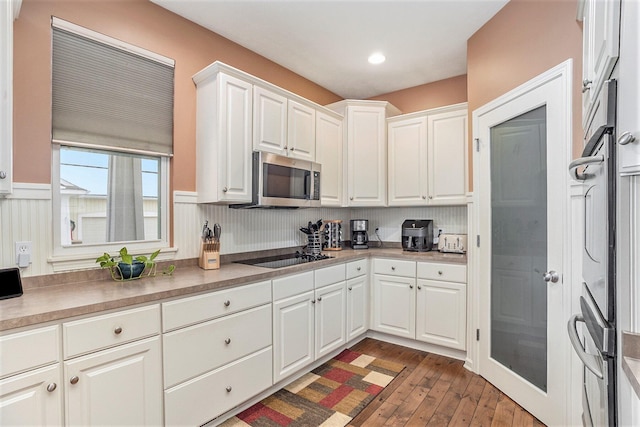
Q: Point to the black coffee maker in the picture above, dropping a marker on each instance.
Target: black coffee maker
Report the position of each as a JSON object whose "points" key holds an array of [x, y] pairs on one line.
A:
{"points": [[417, 235]]}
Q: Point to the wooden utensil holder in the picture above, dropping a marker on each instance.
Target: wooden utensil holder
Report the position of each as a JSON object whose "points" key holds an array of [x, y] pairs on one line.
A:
{"points": [[209, 255]]}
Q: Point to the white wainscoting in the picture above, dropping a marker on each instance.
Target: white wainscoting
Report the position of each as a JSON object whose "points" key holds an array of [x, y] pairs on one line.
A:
{"points": [[26, 215]]}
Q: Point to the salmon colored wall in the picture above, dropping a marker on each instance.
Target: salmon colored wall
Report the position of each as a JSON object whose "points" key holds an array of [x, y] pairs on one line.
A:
{"points": [[430, 95], [523, 40], [143, 24]]}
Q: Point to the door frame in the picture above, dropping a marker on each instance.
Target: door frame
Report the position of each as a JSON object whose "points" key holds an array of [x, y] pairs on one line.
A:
{"points": [[478, 225]]}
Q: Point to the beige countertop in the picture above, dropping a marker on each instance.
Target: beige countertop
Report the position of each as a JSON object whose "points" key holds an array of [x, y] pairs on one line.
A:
{"points": [[60, 296]]}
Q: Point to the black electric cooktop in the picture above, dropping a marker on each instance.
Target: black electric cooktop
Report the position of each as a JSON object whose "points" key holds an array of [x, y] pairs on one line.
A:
{"points": [[285, 260]]}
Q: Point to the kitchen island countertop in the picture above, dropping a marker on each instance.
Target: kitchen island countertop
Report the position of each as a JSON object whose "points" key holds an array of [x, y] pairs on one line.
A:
{"points": [[60, 296]]}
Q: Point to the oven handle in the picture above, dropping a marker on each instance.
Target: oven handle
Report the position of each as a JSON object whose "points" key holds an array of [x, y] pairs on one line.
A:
{"points": [[589, 360], [583, 161]]}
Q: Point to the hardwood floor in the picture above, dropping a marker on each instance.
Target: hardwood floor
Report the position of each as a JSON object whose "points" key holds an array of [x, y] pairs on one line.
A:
{"points": [[436, 391]]}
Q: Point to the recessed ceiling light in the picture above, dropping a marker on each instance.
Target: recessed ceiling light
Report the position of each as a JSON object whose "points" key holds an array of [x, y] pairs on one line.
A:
{"points": [[376, 58]]}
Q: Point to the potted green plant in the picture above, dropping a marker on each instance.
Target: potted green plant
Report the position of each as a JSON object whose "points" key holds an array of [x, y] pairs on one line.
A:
{"points": [[126, 267]]}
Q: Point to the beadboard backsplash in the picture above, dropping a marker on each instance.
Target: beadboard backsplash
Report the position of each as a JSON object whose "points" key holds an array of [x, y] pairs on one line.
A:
{"points": [[26, 216]]}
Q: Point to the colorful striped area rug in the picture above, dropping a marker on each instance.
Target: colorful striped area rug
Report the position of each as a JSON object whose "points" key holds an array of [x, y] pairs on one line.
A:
{"points": [[330, 395]]}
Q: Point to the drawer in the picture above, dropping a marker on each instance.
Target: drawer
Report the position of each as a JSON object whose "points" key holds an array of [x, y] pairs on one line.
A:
{"points": [[28, 350], [95, 333], [200, 308], [222, 390], [394, 267], [288, 286], [441, 271], [329, 275], [356, 268], [192, 351]]}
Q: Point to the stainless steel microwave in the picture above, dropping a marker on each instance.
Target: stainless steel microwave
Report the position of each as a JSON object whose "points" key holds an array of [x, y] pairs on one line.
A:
{"points": [[282, 182]]}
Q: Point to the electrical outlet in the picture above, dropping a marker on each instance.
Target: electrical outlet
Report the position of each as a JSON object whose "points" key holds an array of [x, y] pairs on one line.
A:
{"points": [[23, 253]]}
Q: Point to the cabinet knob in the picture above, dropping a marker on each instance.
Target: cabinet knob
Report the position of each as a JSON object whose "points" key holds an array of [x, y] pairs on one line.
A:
{"points": [[319, 299], [424, 197], [410, 286], [439, 272], [225, 189], [228, 389], [359, 268], [227, 341], [419, 287], [350, 288], [292, 148], [74, 379], [52, 387], [430, 197], [227, 303], [393, 268], [117, 330], [313, 301], [351, 198], [626, 138], [3, 174]]}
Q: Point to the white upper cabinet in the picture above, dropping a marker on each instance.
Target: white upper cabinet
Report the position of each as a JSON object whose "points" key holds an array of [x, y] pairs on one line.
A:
{"points": [[9, 10], [223, 137], [301, 131], [447, 156], [269, 121], [601, 36], [407, 160], [366, 140], [629, 90], [329, 153], [428, 157]]}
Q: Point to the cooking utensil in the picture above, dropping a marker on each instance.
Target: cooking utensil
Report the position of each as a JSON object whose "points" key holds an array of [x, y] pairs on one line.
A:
{"points": [[217, 231]]}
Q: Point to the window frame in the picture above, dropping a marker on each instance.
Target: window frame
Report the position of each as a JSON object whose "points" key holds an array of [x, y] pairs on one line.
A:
{"points": [[65, 258]]}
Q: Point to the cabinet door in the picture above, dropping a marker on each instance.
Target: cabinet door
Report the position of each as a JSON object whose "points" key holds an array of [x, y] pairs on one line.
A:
{"points": [[357, 312], [293, 336], [330, 318], [441, 313], [366, 156], [600, 46], [447, 154], [407, 161], [7, 11], [301, 131], [119, 386], [629, 91], [32, 399], [329, 153], [394, 305], [269, 121]]}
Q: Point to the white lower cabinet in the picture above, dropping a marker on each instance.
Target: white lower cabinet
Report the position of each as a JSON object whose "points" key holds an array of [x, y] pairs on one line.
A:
{"points": [[118, 386], [197, 401], [293, 334], [33, 398], [330, 318], [357, 298], [429, 308]]}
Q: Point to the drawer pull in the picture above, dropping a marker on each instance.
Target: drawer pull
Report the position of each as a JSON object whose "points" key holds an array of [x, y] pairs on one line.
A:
{"points": [[227, 341], [359, 268], [228, 389], [440, 272], [227, 303], [393, 268], [74, 379], [51, 387], [117, 330]]}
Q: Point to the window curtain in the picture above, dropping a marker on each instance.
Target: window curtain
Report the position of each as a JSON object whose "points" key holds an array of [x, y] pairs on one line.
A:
{"points": [[125, 211]]}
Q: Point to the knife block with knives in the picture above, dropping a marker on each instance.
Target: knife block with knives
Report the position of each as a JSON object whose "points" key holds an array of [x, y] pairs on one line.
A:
{"points": [[210, 247]]}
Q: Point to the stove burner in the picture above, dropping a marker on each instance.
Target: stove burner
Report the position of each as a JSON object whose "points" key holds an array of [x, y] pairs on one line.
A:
{"points": [[285, 260]]}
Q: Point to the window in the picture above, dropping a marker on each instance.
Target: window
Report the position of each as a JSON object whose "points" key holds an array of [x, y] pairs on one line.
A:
{"points": [[112, 137]]}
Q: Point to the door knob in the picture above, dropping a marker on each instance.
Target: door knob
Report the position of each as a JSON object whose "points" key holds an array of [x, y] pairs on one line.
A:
{"points": [[551, 276]]}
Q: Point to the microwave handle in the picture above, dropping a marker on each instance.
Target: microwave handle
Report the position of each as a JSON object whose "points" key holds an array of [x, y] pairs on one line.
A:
{"points": [[583, 161], [589, 360]]}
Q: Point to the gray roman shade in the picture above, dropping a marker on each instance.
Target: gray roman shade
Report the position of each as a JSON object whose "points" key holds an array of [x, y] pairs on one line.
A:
{"points": [[107, 97]]}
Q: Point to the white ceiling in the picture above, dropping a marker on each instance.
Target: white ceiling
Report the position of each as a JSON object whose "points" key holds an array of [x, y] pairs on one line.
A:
{"points": [[328, 42]]}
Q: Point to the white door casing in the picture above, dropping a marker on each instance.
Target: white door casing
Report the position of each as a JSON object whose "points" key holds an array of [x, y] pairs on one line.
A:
{"points": [[553, 89]]}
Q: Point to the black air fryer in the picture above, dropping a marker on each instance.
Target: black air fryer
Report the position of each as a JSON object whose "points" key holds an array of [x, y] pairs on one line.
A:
{"points": [[417, 235]]}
